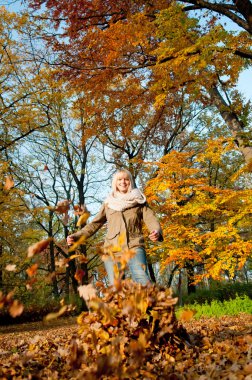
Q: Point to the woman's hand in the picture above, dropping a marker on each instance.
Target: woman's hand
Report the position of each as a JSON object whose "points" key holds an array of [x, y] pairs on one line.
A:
{"points": [[154, 235], [70, 240]]}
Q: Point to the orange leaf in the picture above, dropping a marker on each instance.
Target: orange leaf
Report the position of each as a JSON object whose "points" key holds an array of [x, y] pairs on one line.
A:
{"points": [[38, 247], [32, 270], [9, 183], [187, 315], [78, 275], [16, 308]]}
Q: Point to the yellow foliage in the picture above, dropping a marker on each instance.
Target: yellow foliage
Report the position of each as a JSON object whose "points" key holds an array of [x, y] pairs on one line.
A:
{"points": [[201, 223]]}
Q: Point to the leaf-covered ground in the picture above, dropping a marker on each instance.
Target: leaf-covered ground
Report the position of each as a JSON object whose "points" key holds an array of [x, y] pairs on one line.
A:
{"points": [[118, 340]]}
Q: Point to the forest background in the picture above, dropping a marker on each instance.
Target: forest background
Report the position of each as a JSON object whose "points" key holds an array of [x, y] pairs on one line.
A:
{"points": [[87, 87]]}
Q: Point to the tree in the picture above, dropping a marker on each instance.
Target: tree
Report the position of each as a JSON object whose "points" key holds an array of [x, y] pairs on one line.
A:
{"points": [[57, 172], [17, 231], [157, 44], [21, 100], [204, 211]]}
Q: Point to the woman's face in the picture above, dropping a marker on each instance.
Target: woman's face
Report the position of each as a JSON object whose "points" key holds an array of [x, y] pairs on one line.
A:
{"points": [[122, 183]]}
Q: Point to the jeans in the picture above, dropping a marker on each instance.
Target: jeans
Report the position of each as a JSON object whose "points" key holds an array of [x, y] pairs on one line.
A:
{"points": [[137, 266]]}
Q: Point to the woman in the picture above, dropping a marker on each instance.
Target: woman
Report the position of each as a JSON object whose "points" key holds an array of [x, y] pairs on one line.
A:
{"points": [[124, 210]]}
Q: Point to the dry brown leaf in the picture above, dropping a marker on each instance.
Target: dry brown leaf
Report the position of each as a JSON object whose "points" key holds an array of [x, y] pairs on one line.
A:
{"points": [[38, 247], [62, 207], [79, 275]]}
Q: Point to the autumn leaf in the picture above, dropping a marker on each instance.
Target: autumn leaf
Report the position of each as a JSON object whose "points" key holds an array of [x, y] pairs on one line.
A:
{"points": [[38, 247], [9, 183], [82, 219], [87, 292], [32, 270], [80, 209], [79, 275], [62, 207], [56, 315], [16, 308], [11, 267], [75, 256], [74, 246], [187, 315], [122, 239]]}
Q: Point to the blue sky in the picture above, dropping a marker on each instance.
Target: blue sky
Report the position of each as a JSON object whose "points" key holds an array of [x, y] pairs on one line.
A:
{"points": [[245, 84]]}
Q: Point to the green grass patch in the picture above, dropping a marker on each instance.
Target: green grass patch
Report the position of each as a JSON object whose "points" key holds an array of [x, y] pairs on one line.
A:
{"points": [[240, 304]]}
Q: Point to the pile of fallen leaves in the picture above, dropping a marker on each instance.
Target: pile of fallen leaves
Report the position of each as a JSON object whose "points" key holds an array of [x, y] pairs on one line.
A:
{"points": [[130, 332]]}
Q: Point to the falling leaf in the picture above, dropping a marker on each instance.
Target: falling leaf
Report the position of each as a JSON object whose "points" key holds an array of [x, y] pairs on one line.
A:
{"points": [[87, 292], [75, 256], [62, 207], [122, 239], [79, 210], [79, 275], [16, 308], [74, 246], [82, 219], [11, 267], [81, 258], [9, 183], [10, 296], [38, 247], [56, 315], [32, 270]]}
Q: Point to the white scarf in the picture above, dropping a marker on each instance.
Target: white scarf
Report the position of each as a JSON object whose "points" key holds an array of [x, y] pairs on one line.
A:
{"points": [[120, 201]]}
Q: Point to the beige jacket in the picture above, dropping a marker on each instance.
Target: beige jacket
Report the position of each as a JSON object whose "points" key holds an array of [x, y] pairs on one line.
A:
{"points": [[119, 223]]}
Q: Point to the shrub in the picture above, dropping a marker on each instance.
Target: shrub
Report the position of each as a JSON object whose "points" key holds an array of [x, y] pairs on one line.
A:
{"points": [[220, 291]]}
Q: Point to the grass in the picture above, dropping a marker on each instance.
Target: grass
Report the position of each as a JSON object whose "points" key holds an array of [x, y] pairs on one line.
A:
{"points": [[216, 308]]}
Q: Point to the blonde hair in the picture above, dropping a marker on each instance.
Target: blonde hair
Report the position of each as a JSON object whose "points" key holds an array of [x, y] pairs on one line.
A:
{"points": [[116, 175]]}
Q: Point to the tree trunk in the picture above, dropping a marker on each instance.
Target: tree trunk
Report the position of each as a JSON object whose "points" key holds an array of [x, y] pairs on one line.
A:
{"points": [[235, 125], [53, 270], [180, 293], [151, 272], [1, 268], [172, 275], [67, 285], [52, 258], [191, 287]]}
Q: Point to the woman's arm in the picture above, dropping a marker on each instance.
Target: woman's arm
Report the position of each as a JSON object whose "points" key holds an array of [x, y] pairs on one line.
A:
{"points": [[152, 224], [91, 228]]}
